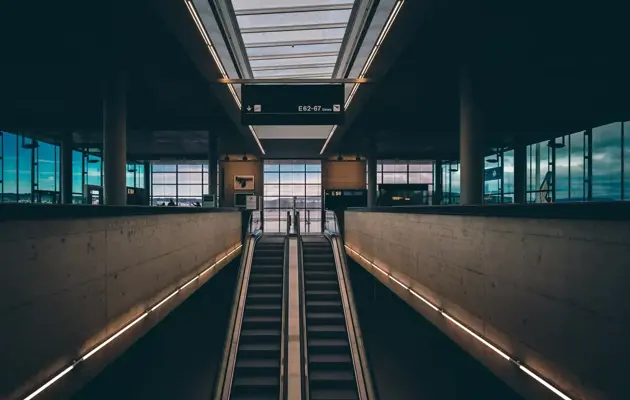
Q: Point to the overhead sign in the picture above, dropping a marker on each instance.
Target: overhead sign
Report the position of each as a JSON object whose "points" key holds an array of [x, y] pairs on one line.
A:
{"points": [[252, 202], [493, 174], [292, 104]]}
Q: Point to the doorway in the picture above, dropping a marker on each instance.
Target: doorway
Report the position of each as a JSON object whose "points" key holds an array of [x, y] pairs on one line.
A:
{"points": [[292, 185]]}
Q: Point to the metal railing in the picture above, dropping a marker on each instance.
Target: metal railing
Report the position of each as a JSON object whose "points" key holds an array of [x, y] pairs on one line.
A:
{"points": [[331, 224], [303, 346]]}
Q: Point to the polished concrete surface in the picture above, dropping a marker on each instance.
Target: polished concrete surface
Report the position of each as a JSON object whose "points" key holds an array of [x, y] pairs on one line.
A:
{"points": [[409, 357], [179, 358]]}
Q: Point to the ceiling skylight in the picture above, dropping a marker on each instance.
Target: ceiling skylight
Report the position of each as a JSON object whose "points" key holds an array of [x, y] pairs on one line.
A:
{"points": [[292, 38]]}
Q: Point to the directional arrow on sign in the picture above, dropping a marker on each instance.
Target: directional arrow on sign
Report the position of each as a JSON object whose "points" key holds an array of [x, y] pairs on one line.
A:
{"points": [[249, 108]]}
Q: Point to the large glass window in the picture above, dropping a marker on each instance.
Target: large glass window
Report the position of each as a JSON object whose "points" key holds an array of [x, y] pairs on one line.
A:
{"points": [[626, 160], [184, 183], [577, 172], [450, 182], [292, 182], [607, 162]]}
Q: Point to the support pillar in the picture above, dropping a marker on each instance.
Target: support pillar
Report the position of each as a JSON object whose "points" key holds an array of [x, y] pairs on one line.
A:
{"points": [[520, 173], [371, 183], [438, 187], [213, 158], [471, 143], [66, 169], [115, 142], [147, 182]]}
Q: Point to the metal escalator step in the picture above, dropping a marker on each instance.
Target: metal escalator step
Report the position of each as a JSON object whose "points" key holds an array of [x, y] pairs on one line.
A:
{"points": [[261, 319], [259, 347], [264, 275], [332, 376], [328, 394], [326, 328], [273, 296], [321, 292], [263, 307], [249, 396], [323, 303], [264, 363], [259, 381], [315, 316], [343, 358], [260, 332], [328, 343], [323, 274]]}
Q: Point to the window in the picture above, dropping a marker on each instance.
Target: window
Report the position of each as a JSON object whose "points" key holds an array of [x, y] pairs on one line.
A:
{"points": [[289, 182], [607, 162], [184, 183]]}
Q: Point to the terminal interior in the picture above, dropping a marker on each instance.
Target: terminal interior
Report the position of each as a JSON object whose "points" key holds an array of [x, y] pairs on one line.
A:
{"points": [[300, 199]]}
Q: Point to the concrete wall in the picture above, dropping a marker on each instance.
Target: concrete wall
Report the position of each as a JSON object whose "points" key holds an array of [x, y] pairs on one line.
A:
{"points": [[66, 285], [231, 168], [343, 175], [552, 293]]}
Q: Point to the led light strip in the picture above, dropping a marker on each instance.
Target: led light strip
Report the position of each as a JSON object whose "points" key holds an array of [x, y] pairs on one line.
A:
{"points": [[126, 327], [195, 16], [457, 323], [377, 46]]}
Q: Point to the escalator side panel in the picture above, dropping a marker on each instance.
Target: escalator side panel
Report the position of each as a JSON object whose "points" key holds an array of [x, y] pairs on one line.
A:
{"points": [[257, 372]]}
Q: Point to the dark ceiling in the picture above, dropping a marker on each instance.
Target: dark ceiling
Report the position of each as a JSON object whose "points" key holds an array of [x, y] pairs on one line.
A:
{"points": [[541, 69], [55, 60]]}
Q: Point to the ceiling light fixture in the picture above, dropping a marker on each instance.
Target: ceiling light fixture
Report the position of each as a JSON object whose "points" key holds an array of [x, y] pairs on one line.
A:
{"points": [[127, 327], [195, 16], [377, 46], [463, 327]]}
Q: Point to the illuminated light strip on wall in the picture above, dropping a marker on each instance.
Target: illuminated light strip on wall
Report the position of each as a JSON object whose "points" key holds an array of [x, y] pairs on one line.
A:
{"points": [[457, 323], [377, 46], [204, 34], [127, 327]]}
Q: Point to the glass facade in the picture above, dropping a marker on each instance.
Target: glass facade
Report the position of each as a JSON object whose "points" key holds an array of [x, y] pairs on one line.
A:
{"points": [[292, 182], [30, 171], [184, 183], [450, 182]]}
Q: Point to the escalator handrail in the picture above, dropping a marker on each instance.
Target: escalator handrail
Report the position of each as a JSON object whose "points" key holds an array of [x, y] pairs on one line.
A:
{"points": [[226, 371], [303, 333], [284, 368], [359, 358]]}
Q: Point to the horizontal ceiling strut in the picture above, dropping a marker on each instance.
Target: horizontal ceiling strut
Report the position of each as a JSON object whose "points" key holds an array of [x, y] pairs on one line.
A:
{"points": [[289, 28], [291, 81], [292, 43], [296, 9]]}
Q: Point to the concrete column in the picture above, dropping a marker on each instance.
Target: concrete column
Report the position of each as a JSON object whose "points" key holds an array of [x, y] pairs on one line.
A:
{"points": [[213, 157], [438, 186], [471, 144], [115, 141], [520, 173], [66, 169], [371, 183], [147, 182]]}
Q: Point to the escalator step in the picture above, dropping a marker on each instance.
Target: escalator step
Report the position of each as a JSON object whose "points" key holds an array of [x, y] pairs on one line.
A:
{"points": [[330, 358], [323, 303], [328, 343], [339, 376], [257, 364], [260, 347], [263, 307], [260, 332], [270, 381], [274, 296], [261, 319], [334, 395], [326, 328]]}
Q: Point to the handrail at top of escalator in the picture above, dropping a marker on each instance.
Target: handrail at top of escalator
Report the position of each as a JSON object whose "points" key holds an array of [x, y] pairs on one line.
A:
{"points": [[359, 359], [303, 347], [223, 379]]}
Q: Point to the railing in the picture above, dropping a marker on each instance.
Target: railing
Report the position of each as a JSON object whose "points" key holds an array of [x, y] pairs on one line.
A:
{"points": [[255, 221], [303, 348], [223, 379], [331, 224]]}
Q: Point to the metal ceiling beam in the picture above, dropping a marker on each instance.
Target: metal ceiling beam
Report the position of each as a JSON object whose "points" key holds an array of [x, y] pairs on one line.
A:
{"points": [[290, 28], [297, 55], [293, 66], [297, 9], [291, 43], [291, 80]]}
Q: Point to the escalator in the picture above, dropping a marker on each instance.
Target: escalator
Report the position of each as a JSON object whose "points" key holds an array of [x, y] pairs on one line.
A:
{"points": [[331, 373], [256, 360]]}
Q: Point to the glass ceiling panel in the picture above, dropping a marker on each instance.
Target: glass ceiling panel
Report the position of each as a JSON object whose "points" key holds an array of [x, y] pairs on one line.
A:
{"points": [[261, 5], [293, 19], [311, 29], [292, 61], [293, 72], [298, 49], [293, 36]]}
